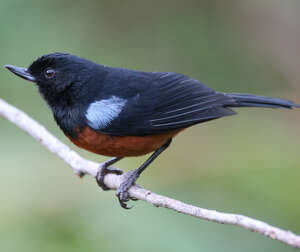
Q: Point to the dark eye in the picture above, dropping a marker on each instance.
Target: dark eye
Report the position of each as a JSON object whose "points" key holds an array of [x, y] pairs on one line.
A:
{"points": [[49, 73]]}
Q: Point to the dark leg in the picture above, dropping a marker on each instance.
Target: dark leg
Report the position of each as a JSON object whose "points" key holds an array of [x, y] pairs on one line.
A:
{"points": [[105, 169], [132, 176]]}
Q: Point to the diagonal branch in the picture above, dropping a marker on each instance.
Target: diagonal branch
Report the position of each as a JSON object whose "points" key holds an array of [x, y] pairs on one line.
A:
{"points": [[83, 166]]}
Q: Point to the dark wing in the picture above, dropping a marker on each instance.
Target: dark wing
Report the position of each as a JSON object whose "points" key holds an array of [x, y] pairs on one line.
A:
{"points": [[183, 102], [168, 101]]}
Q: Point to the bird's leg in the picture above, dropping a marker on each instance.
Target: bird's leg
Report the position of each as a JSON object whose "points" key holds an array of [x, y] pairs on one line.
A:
{"points": [[105, 169], [132, 176]]}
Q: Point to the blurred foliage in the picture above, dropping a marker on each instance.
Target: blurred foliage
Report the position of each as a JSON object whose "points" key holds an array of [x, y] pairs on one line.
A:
{"points": [[246, 164]]}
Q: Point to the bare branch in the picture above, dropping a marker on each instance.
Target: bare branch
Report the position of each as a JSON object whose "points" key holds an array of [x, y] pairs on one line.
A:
{"points": [[81, 165]]}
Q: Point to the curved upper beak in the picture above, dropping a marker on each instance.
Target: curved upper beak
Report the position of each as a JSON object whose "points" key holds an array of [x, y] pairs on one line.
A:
{"points": [[21, 71]]}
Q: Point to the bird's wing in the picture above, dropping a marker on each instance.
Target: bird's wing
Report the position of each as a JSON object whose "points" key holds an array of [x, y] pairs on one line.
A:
{"points": [[183, 102], [170, 101]]}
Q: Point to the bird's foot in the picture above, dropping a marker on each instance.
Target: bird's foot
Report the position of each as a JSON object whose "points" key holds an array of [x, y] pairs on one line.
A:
{"points": [[122, 192], [103, 170]]}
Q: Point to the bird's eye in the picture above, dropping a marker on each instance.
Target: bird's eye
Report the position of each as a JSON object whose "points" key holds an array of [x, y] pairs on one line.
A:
{"points": [[49, 73]]}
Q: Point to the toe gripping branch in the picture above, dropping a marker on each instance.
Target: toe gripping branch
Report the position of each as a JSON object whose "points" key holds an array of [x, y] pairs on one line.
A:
{"points": [[122, 192], [129, 178], [105, 169]]}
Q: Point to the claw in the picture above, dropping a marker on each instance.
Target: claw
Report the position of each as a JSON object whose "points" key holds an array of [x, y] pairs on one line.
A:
{"points": [[122, 191], [123, 197], [124, 205], [103, 170]]}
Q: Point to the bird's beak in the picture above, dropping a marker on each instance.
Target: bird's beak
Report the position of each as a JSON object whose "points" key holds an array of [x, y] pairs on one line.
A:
{"points": [[21, 71]]}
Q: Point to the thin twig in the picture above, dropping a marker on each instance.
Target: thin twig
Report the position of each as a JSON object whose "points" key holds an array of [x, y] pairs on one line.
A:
{"points": [[83, 166]]}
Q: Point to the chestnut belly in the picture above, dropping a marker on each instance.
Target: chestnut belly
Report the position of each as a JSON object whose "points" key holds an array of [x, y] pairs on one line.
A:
{"points": [[120, 146]]}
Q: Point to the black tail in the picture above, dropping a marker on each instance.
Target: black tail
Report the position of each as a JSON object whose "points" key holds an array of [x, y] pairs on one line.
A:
{"points": [[248, 100]]}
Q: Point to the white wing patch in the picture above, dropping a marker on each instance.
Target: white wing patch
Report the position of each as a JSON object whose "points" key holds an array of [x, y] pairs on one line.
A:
{"points": [[101, 113]]}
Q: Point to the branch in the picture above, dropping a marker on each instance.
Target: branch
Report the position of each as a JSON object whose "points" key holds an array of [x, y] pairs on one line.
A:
{"points": [[83, 166]]}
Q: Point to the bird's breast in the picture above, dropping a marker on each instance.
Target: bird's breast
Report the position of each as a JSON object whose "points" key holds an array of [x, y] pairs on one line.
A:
{"points": [[119, 146]]}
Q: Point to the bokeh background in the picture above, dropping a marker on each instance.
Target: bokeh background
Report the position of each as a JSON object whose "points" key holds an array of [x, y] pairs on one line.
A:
{"points": [[247, 164]]}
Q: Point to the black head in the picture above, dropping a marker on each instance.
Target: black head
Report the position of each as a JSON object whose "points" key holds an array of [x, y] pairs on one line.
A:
{"points": [[56, 73]]}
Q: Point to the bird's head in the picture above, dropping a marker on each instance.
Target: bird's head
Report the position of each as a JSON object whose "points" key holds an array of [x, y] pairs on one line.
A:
{"points": [[56, 73]]}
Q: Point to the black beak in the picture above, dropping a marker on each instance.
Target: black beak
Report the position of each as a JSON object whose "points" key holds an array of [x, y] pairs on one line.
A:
{"points": [[21, 71]]}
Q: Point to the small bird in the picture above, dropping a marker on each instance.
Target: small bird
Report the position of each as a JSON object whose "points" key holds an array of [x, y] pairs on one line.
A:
{"points": [[124, 113]]}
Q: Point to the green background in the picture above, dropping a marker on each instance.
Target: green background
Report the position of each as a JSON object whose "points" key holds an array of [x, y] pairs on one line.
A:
{"points": [[247, 164]]}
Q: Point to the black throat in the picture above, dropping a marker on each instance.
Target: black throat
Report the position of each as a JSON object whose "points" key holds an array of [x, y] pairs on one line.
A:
{"points": [[67, 110]]}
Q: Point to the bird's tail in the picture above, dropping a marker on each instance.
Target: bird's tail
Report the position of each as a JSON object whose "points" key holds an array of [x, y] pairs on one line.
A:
{"points": [[248, 100]]}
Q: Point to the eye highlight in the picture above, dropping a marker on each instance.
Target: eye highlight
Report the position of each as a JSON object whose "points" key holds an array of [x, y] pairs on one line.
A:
{"points": [[49, 73]]}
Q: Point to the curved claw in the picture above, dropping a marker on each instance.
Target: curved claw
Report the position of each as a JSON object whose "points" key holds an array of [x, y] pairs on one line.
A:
{"points": [[101, 174], [122, 191], [123, 196], [123, 204]]}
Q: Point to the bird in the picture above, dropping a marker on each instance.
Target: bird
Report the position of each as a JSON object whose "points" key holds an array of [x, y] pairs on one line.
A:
{"points": [[119, 113]]}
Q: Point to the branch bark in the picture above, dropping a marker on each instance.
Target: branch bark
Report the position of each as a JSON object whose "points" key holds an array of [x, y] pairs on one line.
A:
{"points": [[83, 166]]}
